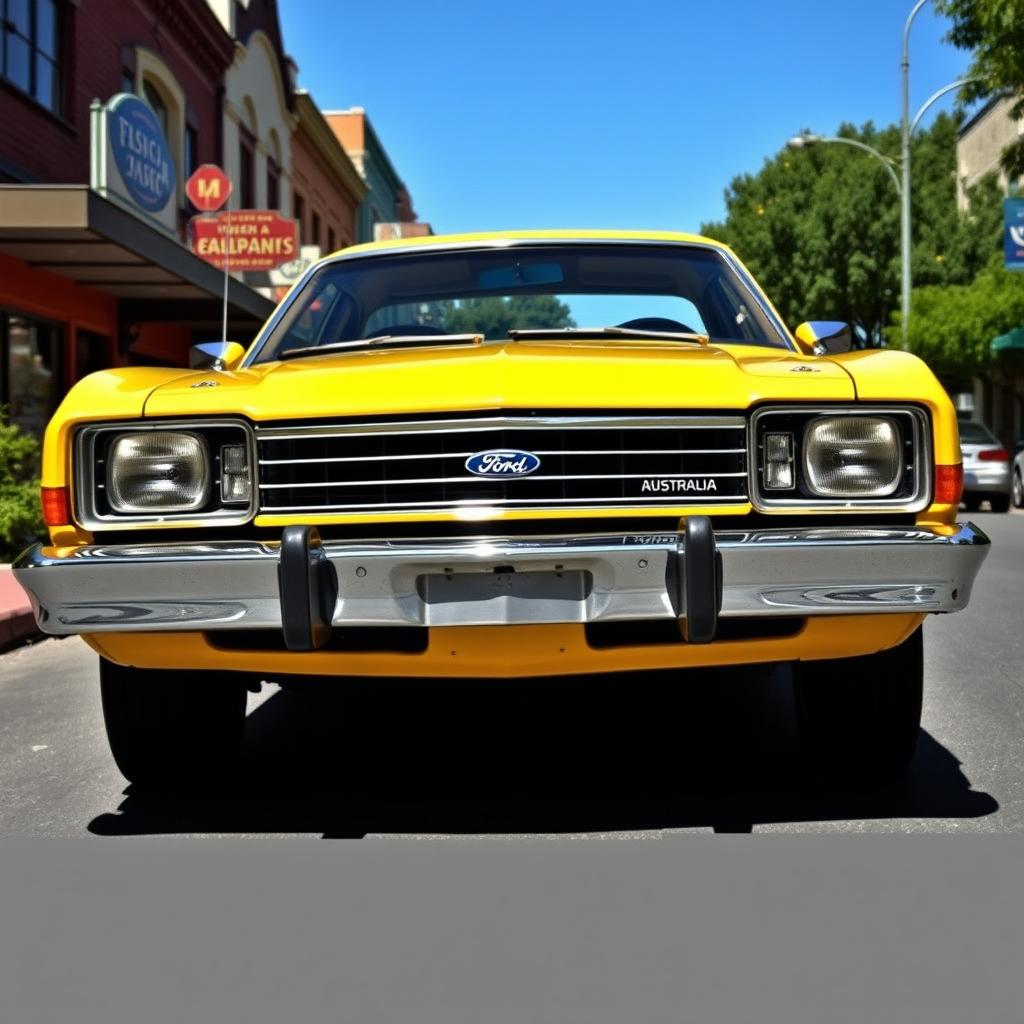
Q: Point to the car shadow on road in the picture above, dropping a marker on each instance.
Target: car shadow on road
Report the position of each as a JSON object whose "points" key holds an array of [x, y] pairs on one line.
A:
{"points": [[706, 750]]}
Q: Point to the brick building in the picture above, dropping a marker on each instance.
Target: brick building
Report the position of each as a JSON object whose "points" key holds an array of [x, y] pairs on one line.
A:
{"points": [[387, 201], [328, 190], [94, 270], [88, 280]]}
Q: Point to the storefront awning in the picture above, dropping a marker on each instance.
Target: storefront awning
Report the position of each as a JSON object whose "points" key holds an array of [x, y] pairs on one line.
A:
{"points": [[72, 231], [1011, 340]]}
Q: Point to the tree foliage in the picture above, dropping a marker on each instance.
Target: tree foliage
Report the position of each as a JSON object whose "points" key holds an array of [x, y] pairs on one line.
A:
{"points": [[819, 227], [20, 518], [495, 316], [952, 326], [994, 31]]}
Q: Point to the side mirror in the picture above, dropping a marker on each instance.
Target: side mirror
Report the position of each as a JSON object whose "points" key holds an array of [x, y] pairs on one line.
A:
{"points": [[215, 355], [824, 337]]}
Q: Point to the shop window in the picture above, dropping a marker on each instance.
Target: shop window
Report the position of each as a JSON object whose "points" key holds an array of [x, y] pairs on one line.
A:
{"points": [[246, 168], [31, 383], [273, 184], [30, 49]]}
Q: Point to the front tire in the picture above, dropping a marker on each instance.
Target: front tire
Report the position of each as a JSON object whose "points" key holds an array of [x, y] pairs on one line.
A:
{"points": [[169, 729], [859, 718], [1018, 490]]}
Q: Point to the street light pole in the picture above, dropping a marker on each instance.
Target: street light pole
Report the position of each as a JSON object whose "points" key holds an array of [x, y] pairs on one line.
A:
{"points": [[908, 126], [905, 129]]}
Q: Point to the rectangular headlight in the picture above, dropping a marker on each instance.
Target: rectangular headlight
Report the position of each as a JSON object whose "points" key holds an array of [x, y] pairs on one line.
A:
{"points": [[188, 472], [847, 457], [853, 456], [157, 471]]}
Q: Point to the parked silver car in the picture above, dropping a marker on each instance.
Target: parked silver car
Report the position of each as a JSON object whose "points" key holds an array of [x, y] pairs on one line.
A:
{"points": [[1017, 482], [986, 467]]}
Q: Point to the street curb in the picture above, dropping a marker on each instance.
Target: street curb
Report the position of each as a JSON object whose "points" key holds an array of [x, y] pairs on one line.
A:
{"points": [[17, 623]]}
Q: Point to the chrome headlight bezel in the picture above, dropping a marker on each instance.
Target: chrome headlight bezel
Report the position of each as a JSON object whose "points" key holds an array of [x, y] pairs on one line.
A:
{"points": [[913, 493], [93, 509]]}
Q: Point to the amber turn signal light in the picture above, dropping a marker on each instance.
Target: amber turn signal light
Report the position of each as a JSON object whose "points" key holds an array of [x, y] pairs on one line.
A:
{"points": [[56, 507], [949, 484]]}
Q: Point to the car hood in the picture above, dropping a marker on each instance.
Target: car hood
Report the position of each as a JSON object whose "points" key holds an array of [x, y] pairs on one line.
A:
{"points": [[511, 375]]}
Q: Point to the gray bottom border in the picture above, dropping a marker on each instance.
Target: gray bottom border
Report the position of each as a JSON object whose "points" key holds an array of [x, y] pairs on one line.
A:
{"points": [[685, 928]]}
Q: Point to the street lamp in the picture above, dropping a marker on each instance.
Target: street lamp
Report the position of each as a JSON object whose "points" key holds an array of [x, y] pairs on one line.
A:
{"points": [[907, 129], [805, 139]]}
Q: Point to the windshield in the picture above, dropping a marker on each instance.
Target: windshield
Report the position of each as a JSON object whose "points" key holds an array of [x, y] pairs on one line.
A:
{"points": [[662, 289]]}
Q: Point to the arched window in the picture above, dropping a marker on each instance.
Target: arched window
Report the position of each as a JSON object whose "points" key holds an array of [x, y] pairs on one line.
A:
{"points": [[156, 101]]}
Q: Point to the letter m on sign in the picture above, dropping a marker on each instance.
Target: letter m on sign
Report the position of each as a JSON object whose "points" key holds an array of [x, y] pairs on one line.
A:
{"points": [[208, 188]]}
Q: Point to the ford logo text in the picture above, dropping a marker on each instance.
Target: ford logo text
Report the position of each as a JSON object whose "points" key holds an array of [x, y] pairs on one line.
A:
{"points": [[503, 462]]}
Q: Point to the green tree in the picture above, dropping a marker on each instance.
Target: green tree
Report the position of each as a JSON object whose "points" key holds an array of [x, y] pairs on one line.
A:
{"points": [[819, 227], [952, 326], [495, 316], [20, 518], [994, 31]]}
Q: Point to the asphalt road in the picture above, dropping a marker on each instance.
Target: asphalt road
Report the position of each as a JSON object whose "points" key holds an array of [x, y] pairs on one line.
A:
{"points": [[633, 756]]}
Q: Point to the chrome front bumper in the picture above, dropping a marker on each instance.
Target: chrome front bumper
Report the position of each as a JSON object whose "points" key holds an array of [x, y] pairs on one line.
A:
{"points": [[499, 581]]}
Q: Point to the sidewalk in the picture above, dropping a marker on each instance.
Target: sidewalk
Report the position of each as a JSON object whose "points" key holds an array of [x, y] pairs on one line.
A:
{"points": [[16, 620]]}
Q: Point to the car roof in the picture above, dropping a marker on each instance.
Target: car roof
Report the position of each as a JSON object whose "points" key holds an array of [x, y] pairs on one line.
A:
{"points": [[492, 239], [973, 432]]}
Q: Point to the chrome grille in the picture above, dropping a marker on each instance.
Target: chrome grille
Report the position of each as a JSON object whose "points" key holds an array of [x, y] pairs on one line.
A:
{"points": [[586, 462]]}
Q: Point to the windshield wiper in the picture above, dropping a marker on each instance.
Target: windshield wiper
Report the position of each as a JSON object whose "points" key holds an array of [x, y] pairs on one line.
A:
{"points": [[382, 341], [573, 333]]}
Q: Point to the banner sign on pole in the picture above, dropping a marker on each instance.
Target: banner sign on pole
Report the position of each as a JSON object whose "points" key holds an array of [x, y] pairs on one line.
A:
{"points": [[245, 239], [1013, 233]]}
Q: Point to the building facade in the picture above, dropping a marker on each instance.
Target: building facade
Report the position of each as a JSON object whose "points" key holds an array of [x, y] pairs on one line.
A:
{"points": [[980, 144], [998, 397], [328, 190], [258, 106], [92, 274], [88, 280], [387, 199]]}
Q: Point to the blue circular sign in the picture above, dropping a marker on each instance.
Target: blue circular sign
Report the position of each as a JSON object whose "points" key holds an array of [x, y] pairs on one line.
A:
{"points": [[140, 152]]}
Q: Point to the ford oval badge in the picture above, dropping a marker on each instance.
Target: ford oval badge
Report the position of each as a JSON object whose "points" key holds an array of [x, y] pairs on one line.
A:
{"points": [[503, 462]]}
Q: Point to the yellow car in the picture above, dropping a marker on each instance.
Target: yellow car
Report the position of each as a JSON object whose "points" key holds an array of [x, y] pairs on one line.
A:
{"points": [[519, 454]]}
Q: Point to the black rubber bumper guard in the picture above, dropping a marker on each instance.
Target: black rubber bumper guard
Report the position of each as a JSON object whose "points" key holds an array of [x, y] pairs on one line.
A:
{"points": [[308, 588], [698, 580], [308, 585]]}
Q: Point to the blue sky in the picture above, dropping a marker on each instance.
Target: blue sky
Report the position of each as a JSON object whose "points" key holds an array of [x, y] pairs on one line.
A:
{"points": [[584, 113]]}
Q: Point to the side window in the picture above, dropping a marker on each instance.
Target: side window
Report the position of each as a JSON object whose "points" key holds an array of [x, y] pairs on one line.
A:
{"points": [[313, 318]]}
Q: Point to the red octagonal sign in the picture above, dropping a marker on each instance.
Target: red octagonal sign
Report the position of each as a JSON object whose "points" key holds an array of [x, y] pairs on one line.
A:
{"points": [[208, 188]]}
